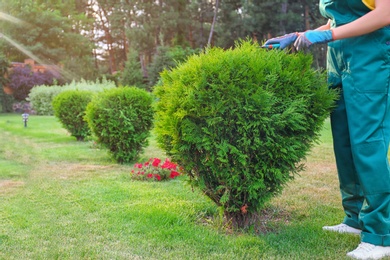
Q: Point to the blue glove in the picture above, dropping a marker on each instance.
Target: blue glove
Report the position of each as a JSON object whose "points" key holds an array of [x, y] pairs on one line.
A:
{"points": [[312, 37], [281, 42]]}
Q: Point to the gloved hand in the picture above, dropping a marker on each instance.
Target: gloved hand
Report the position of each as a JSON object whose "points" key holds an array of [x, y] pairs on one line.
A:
{"points": [[312, 37], [282, 41]]}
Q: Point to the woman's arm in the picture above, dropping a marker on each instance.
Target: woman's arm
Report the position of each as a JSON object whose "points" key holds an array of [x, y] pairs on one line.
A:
{"points": [[374, 20]]}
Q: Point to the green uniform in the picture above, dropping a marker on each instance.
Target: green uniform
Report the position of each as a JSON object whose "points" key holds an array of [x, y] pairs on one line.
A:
{"points": [[360, 67]]}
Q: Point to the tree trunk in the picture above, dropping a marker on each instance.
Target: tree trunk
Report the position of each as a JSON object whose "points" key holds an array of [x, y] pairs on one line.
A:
{"points": [[307, 22], [213, 24], [283, 12], [143, 65], [240, 220], [103, 16]]}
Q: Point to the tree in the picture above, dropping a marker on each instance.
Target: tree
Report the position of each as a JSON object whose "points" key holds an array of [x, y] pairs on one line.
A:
{"points": [[105, 11], [132, 74], [53, 31], [167, 58]]}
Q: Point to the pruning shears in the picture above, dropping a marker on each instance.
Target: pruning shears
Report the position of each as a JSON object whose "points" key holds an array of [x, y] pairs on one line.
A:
{"points": [[271, 46]]}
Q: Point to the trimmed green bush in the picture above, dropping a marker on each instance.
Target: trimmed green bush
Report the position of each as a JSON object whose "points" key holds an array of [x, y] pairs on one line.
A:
{"points": [[121, 119], [240, 122], [69, 107]]}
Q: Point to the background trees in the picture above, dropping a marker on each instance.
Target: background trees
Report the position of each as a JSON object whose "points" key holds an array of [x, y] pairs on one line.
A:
{"points": [[93, 37], [58, 32]]}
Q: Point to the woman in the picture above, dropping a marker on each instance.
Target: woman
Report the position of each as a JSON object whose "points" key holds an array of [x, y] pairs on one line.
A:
{"points": [[358, 63]]}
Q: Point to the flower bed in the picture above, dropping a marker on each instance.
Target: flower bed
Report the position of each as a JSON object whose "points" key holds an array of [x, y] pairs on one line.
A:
{"points": [[155, 170]]}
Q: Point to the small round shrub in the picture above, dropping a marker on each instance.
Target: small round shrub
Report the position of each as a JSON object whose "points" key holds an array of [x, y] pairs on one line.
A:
{"points": [[240, 121], [69, 107], [121, 119]]}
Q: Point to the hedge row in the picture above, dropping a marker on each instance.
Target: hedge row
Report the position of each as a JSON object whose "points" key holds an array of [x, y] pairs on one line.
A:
{"points": [[41, 97]]}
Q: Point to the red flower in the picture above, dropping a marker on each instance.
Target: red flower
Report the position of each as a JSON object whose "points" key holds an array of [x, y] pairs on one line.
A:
{"points": [[168, 165], [154, 169], [156, 162], [138, 165], [173, 174]]}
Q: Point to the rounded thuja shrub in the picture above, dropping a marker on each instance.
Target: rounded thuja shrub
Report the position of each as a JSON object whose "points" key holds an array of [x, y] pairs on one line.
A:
{"points": [[240, 121], [121, 119], [69, 107]]}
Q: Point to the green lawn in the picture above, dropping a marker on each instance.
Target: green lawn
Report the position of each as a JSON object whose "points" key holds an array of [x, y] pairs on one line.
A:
{"points": [[62, 199]]}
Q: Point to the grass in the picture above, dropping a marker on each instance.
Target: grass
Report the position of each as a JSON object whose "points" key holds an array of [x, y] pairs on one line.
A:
{"points": [[62, 199]]}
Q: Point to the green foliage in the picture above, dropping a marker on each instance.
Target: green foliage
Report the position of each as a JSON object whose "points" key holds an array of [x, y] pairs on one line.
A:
{"points": [[52, 30], [132, 73], [69, 107], [121, 119], [241, 121], [167, 58], [81, 68], [90, 85], [5, 100], [41, 97], [4, 65]]}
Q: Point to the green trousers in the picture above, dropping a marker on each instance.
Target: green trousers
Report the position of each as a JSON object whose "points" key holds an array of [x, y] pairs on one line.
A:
{"points": [[360, 68]]}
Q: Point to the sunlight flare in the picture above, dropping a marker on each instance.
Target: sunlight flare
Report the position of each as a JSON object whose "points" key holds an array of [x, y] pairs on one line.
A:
{"points": [[10, 18]]}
